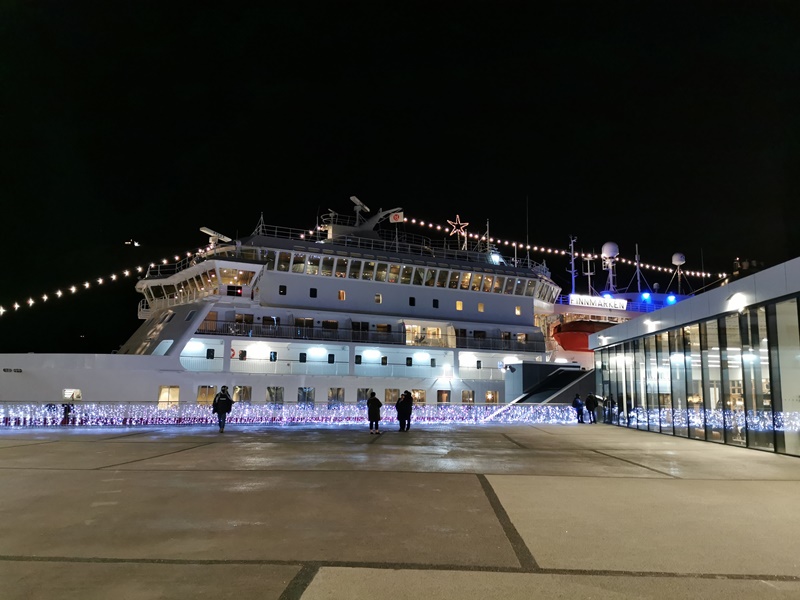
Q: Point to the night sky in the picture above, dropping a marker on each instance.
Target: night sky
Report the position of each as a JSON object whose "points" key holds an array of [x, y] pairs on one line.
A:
{"points": [[671, 125]]}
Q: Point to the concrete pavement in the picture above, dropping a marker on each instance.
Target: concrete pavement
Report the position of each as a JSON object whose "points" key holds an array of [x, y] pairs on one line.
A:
{"points": [[452, 512]]}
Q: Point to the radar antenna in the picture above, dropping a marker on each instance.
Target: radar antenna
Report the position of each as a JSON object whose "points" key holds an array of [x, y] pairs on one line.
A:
{"points": [[609, 254], [214, 237], [359, 206]]}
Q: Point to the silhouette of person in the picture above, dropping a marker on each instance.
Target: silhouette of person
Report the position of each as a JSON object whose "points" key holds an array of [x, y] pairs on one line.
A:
{"points": [[577, 404], [374, 412], [221, 406], [404, 406]]}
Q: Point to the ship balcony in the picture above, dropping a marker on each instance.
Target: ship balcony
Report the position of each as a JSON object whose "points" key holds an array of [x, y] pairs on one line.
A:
{"points": [[292, 332]]}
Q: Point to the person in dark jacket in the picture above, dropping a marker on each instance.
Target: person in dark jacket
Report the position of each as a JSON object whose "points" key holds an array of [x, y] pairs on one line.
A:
{"points": [[591, 406], [404, 406], [222, 405], [374, 412], [577, 404]]}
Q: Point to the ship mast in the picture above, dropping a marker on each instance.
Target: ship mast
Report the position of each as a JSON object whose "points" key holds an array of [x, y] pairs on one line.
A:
{"points": [[572, 271]]}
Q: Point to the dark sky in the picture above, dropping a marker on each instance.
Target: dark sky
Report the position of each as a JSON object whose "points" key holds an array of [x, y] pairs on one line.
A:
{"points": [[671, 125]]}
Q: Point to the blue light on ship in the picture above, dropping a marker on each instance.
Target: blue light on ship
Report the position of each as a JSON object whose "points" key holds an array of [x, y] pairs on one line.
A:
{"points": [[645, 296], [607, 296], [671, 299]]}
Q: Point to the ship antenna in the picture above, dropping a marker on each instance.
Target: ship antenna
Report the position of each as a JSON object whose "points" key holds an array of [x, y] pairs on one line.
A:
{"points": [[528, 242], [571, 270], [588, 271], [638, 272]]}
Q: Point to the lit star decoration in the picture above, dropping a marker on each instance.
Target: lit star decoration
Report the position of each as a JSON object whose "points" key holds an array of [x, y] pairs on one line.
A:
{"points": [[459, 228]]}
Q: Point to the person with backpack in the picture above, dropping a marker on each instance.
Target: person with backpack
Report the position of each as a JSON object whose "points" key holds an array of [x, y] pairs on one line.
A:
{"points": [[221, 406], [577, 404]]}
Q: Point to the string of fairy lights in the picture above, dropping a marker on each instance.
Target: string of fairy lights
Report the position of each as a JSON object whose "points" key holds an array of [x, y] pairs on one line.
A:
{"points": [[456, 227]]}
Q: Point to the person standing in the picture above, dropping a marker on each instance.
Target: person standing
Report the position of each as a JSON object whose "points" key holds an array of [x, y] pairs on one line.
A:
{"points": [[374, 412], [404, 405], [222, 405], [591, 406], [577, 404]]}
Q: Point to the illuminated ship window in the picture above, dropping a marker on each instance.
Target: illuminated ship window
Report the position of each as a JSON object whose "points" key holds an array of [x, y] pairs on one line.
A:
{"points": [[418, 396], [381, 271], [378, 299], [299, 263], [480, 307], [341, 267], [205, 394], [71, 394], [342, 295], [459, 305], [284, 260], [369, 270], [441, 280], [518, 310], [394, 273], [234, 290], [312, 268], [467, 396], [498, 285], [442, 396], [355, 269], [242, 393], [168, 396], [406, 274], [476, 281], [454, 277], [326, 270]]}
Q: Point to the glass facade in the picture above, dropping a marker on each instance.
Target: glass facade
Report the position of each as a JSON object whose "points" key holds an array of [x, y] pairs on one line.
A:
{"points": [[733, 379]]}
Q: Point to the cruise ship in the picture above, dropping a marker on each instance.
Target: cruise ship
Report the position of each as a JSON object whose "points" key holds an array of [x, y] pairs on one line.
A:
{"points": [[324, 316]]}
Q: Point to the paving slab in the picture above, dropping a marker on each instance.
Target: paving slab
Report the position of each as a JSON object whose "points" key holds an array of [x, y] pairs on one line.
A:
{"points": [[443, 511]]}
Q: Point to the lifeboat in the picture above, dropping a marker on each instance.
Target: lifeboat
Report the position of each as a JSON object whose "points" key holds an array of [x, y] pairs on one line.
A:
{"points": [[574, 335]]}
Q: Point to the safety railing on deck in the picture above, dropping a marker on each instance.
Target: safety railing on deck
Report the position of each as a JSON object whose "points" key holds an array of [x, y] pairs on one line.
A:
{"points": [[294, 332]]}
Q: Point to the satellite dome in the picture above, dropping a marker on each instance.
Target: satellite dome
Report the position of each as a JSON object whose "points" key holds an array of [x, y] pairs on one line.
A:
{"points": [[610, 250], [678, 259]]}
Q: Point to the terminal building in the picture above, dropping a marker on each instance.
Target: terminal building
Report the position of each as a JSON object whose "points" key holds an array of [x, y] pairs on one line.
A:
{"points": [[722, 366]]}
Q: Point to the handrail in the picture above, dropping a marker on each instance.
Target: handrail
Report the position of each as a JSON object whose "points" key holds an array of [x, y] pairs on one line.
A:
{"points": [[398, 338]]}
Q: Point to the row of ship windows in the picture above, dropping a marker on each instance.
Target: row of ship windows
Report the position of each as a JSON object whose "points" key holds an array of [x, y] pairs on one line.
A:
{"points": [[169, 396], [368, 271], [425, 276]]}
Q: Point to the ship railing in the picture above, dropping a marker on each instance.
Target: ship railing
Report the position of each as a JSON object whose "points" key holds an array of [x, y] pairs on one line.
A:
{"points": [[406, 243], [146, 307], [245, 412], [293, 332]]}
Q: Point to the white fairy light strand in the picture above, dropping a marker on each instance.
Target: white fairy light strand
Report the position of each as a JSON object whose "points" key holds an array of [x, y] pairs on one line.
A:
{"points": [[30, 302]]}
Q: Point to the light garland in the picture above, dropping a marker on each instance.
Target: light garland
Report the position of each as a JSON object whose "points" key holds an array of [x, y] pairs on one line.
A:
{"points": [[129, 415], [545, 250], [457, 226]]}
